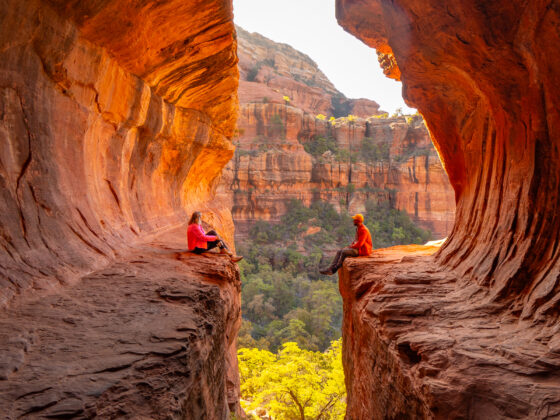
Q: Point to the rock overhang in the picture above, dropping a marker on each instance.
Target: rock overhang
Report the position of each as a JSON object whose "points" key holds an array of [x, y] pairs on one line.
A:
{"points": [[485, 79]]}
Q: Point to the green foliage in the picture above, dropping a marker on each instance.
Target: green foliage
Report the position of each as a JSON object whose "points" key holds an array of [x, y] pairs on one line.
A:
{"points": [[340, 106], [374, 151], [278, 129], [284, 298], [252, 73], [319, 145], [393, 227], [344, 155], [295, 383]]}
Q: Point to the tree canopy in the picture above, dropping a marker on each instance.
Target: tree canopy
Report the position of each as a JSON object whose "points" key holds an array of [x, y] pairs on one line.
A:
{"points": [[294, 383]]}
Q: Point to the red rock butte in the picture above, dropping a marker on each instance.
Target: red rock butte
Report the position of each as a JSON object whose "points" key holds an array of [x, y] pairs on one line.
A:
{"points": [[116, 119], [472, 331]]}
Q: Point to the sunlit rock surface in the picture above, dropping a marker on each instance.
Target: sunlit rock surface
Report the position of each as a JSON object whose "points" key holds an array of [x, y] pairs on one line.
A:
{"points": [[271, 166], [115, 123], [270, 71], [471, 332]]}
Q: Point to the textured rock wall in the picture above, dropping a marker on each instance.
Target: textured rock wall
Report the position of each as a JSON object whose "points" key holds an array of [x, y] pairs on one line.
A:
{"points": [[115, 123], [271, 167], [127, 341], [485, 77], [92, 155]]}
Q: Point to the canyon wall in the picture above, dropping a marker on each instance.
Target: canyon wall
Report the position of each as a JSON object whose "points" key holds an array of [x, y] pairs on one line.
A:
{"points": [[471, 331], [276, 161], [115, 120]]}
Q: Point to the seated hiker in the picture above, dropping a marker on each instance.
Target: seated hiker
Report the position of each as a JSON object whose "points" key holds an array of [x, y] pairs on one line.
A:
{"points": [[200, 242], [362, 246]]}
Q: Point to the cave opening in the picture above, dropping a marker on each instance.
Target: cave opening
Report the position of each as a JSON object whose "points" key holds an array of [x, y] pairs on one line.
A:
{"points": [[490, 129], [308, 157], [115, 128]]}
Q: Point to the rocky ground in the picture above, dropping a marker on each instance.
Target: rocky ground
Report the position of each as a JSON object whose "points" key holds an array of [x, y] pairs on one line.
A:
{"points": [[420, 343], [144, 337]]}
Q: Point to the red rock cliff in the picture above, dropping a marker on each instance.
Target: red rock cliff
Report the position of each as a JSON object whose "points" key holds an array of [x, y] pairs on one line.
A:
{"points": [[115, 120], [471, 332], [271, 165]]}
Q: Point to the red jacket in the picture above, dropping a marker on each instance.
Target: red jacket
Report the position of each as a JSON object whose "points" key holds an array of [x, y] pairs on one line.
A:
{"points": [[197, 238], [363, 241]]}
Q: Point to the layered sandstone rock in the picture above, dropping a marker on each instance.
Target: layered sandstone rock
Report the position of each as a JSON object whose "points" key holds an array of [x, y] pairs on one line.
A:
{"points": [[126, 341], [471, 332], [271, 165], [270, 70], [115, 122]]}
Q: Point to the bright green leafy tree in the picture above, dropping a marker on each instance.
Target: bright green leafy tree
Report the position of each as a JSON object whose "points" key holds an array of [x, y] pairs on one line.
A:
{"points": [[295, 383]]}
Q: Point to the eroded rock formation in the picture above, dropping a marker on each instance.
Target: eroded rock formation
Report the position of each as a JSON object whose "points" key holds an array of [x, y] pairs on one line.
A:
{"points": [[115, 122], [472, 331], [271, 165], [270, 70]]}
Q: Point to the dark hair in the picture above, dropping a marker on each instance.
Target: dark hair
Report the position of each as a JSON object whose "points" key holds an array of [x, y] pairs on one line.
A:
{"points": [[195, 218]]}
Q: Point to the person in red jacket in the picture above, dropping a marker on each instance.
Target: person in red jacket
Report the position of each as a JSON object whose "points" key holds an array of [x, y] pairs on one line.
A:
{"points": [[362, 246], [200, 241]]}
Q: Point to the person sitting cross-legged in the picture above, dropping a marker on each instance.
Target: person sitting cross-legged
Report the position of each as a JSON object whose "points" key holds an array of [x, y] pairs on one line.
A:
{"points": [[362, 246], [200, 241]]}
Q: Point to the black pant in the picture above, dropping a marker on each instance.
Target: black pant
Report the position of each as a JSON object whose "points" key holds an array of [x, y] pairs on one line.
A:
{"points": [[341, 255], [211, 244]]}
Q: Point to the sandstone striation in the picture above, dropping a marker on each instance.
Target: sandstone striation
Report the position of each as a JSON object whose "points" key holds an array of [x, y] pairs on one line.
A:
{"points": [[419, 343], [115, 121], [269, 168], [471, 332], [271, 165]]}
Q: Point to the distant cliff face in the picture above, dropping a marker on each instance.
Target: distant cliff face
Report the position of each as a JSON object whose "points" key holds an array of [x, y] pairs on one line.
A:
{"points": [[284, 151], [270, 70]]}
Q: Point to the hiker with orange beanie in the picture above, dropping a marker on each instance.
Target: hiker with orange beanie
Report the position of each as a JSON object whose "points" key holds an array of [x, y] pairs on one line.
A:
{"points": [[362, 246]]}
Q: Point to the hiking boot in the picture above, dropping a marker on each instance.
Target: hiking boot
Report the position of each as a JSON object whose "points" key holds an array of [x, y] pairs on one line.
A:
{"points": [[225, 251]]}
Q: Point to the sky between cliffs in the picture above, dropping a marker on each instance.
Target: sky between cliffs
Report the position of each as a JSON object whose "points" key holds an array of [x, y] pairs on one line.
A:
{"points": [[310, 26]]}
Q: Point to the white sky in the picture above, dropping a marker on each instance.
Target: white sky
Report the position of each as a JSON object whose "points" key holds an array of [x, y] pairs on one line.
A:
{"points": [[310, 26]]}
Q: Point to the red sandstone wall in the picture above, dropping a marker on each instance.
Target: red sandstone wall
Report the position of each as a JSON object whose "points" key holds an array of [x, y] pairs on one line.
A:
{"points": [[470, 327], [108, 133], [271, 167], [115, 123], [485, 78]]}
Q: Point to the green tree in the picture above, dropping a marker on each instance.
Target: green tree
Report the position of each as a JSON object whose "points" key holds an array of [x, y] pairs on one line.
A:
{"points": [[295, 383]]}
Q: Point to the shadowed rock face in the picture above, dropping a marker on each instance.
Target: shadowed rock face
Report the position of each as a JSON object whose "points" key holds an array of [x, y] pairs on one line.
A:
{"points": [[115, 122], [485, 77]]}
